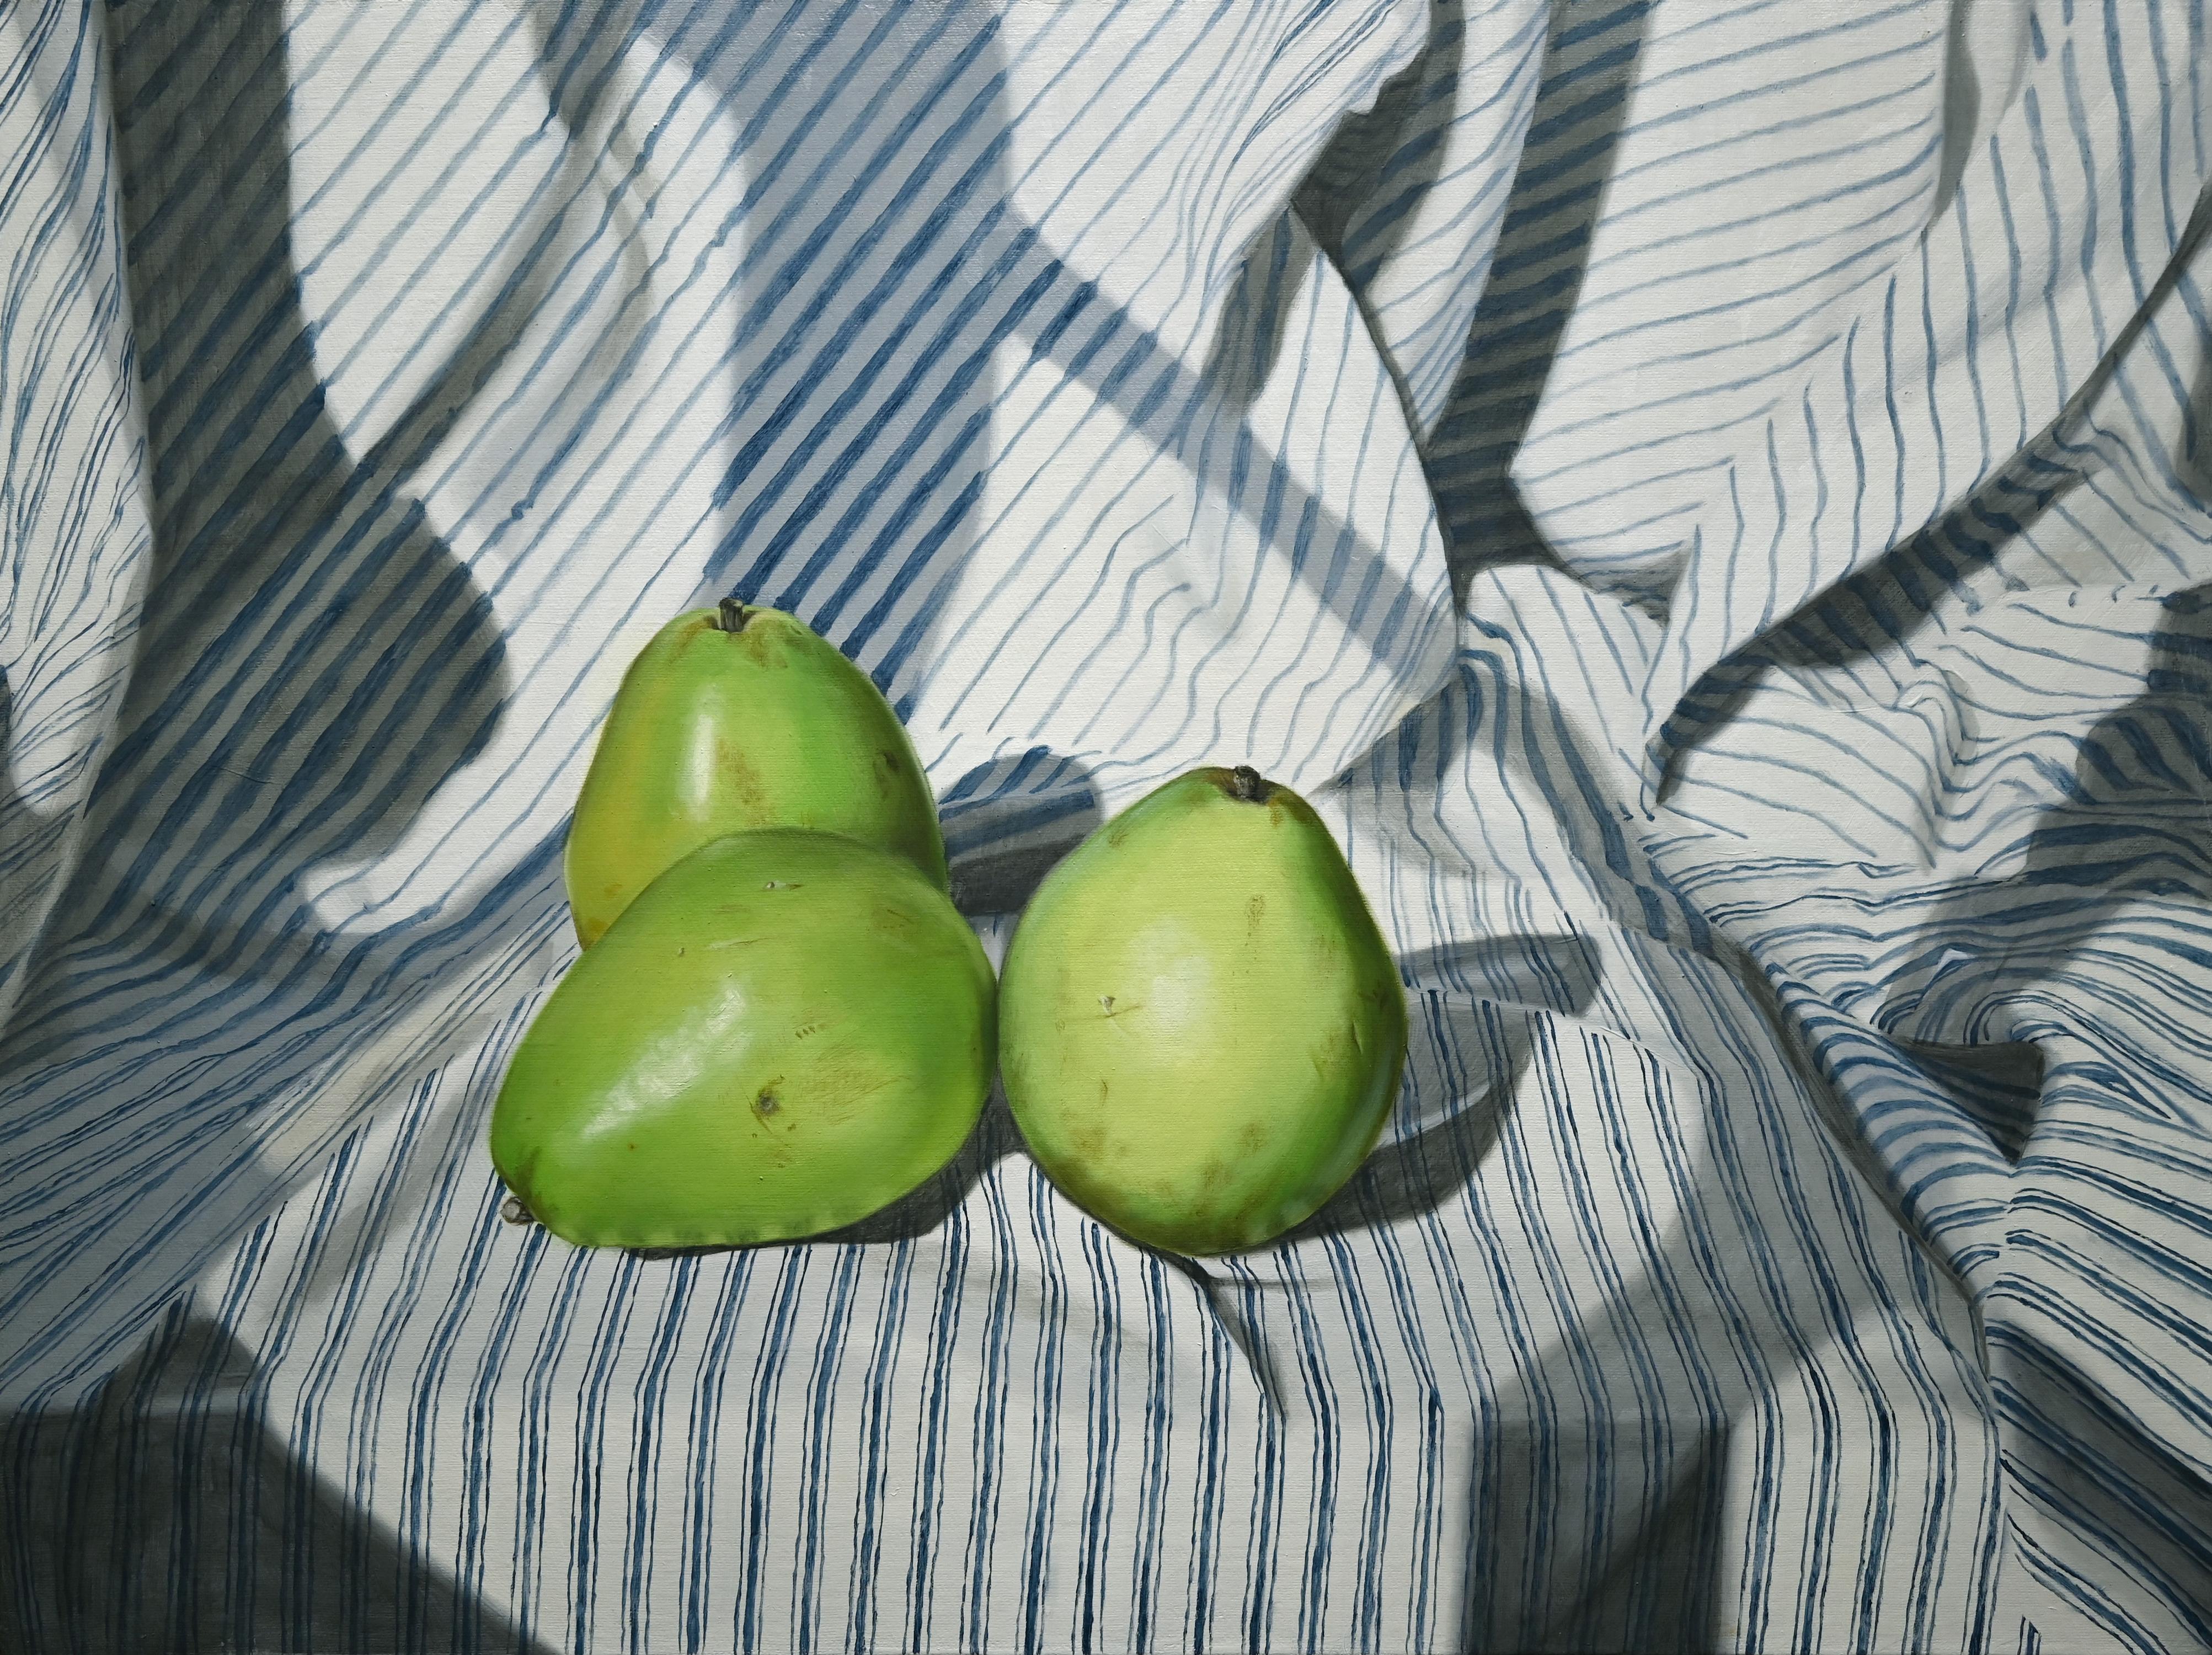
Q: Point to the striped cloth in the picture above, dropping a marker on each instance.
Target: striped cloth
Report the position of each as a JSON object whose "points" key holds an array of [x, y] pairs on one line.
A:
{"points": [[1713, 501]]}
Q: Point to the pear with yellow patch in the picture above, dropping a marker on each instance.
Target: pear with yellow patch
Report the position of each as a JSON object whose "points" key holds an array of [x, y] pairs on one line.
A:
{"points": [[1201, 1030], [785, 1033], [733, 718]]}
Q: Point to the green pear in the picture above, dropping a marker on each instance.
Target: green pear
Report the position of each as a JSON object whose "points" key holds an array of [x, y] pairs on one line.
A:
{"points": [[1201, 1031], [734, 718], [784, 1033]]}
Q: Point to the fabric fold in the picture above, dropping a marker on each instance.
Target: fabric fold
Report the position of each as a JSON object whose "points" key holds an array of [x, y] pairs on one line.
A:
{"points": [[75, 535]]}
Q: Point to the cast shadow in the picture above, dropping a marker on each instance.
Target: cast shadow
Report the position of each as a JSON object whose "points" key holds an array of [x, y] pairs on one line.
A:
{"points": [[1380, 146], [1653, 1586], [1996, 1084], [1007, 823], [924, 368], [2128, 820], [30, 843], [171, 1518], [1890, 603], [1257, 313], [1592, 51], [2130, 825], [312, 664], [313, 659], [1470, 1007], [1652, 1590]]}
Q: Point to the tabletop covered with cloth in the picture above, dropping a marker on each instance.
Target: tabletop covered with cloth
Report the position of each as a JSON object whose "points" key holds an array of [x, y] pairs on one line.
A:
{"points": [[1710, 502]]}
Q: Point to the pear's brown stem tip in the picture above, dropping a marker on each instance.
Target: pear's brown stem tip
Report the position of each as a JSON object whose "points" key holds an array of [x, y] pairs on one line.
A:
{"points": [[514, 1212], [731, 615], [1249, 784]]}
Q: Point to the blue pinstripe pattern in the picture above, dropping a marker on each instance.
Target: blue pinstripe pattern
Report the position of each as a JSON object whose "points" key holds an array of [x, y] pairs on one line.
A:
{"points": [[1714, 505]]}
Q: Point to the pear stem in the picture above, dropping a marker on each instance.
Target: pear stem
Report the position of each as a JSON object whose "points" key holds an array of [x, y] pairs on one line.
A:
{"points": [[1249, 784], [731, 615]]}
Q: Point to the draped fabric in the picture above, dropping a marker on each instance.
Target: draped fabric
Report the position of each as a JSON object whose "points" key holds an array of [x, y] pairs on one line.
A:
{"points": [[1712, 499]]}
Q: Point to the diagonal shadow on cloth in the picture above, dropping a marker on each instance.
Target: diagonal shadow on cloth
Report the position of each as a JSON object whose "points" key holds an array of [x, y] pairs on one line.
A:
{"points": [[313, 662], [151, 1496], [785, 531]]}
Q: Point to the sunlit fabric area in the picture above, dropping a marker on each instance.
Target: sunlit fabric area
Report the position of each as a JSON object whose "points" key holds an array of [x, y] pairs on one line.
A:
{"points": [[1710, 500]]}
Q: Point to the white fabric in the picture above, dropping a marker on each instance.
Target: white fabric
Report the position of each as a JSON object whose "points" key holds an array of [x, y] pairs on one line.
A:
{"points": [[1713, 503]]}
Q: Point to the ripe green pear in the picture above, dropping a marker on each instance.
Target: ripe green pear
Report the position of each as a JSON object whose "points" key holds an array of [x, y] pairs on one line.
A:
{"points": [[784, 1033], [1201, 1030], [733, 718]]}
